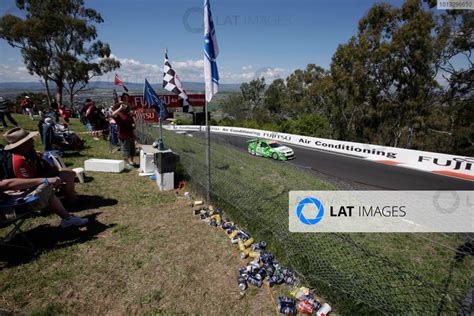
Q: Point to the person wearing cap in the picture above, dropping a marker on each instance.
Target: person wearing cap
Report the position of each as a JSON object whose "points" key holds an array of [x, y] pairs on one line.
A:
{"points": [[27, 105], [43, 189], [27, 163], [5, 111], [125, 125]]}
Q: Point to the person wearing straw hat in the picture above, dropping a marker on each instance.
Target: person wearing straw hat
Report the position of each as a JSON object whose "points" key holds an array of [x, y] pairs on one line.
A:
{"points": [[5, 112], [27, 163]]}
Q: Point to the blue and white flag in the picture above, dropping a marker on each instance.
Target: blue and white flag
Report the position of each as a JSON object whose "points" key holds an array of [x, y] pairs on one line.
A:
{"points": [[150, 98], [211, 50]]}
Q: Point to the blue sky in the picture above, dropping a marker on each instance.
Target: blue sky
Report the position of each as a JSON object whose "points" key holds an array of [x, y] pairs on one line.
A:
{"points": [[259, 37]]}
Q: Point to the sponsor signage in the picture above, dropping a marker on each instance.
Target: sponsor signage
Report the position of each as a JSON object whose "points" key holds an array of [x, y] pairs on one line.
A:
{"points": [[171, 100], [172, 103], [443, 164], [381, 211]]}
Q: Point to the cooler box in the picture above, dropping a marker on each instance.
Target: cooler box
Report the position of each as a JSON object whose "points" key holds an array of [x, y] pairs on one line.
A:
{"points": [[147, 157], [104, 165]]}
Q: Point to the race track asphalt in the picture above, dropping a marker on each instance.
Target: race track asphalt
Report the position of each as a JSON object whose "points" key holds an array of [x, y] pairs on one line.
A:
{"points": [[360, 173]]}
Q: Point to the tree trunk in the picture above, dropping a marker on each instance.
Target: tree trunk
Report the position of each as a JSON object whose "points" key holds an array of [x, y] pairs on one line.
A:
{"points": [[410, 135], [59, 92], [71, 96], [48, 92]]}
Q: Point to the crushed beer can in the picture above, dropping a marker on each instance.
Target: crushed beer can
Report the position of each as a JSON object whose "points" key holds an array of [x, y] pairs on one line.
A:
{"points": [[235, 240], [242, 284], [233, 234], [254, 254], [241, 246], [249, 242], [305, 307], [286, 305], [254, 281], [324, 310], [244, 254]]}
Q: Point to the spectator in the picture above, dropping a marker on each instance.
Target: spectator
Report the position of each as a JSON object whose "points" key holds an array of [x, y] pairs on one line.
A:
{"points": [[5, 111], [94, 118], [47, 134], [43, 188], [27, 163], [28, 105], [64, 113], [55, 109], [126, 136]]}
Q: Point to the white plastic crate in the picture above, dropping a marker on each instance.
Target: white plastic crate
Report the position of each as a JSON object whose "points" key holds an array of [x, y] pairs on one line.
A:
{"points": [[104, 165]]}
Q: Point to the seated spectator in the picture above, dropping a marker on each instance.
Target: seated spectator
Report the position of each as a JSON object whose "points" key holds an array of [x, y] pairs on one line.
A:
{"points": [[27, 163], [44, 190]]}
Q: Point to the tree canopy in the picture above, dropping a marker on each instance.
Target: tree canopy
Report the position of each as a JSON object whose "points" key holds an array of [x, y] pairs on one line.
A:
{"points": [[405, 79], [58, 42]]}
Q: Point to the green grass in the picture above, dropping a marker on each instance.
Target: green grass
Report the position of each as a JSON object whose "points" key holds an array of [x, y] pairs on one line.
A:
{"points": [[391, 273], [143, 253]]}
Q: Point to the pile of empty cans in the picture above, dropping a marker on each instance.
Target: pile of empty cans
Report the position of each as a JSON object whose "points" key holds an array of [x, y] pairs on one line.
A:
{"points": [[263, 267]]}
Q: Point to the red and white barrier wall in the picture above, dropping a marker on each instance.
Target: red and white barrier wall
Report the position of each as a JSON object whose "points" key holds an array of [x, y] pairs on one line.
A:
{"points": [[443, 164]]}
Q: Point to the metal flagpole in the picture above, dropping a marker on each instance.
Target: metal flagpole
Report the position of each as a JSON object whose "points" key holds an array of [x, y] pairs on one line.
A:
{"points": [[208, 154]]}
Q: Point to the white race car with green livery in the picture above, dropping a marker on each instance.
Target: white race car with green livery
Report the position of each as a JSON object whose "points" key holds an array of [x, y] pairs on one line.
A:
{"points": [[269, 149]]}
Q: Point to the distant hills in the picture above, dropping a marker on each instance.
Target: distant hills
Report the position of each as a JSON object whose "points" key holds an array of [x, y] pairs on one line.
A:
{"points": [[100, 85]]}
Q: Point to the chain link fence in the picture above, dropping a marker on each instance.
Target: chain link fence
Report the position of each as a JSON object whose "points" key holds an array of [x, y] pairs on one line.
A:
{"points": [[357, 273]]}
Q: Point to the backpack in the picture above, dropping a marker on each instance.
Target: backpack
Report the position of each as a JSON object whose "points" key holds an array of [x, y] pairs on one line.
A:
{"points": [[6, 164]]}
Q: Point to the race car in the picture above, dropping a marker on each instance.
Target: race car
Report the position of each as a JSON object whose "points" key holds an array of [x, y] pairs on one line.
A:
{"points": [[269, 148]]}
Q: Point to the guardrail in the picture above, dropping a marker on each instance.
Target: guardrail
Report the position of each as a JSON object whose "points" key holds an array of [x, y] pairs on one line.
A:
{"points": [[438, 163]]}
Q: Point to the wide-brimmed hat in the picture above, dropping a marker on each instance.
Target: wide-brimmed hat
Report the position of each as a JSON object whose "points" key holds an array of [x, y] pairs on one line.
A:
{"points": [[17, 136]]}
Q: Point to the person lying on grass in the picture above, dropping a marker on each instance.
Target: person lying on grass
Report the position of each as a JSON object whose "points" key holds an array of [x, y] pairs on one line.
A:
{"points": [[43, 188], [27, 163]]}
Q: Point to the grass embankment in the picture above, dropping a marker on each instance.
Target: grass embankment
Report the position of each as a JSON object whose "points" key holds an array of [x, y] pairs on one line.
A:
{"points": [[393, 273], [143, 252]]}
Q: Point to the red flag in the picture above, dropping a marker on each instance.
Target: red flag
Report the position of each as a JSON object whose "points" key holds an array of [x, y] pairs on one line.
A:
{"points": [[120, 83]]}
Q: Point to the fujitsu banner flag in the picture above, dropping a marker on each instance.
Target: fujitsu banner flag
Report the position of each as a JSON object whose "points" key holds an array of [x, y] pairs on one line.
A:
{"points": [[211, 50], [119, 82]]}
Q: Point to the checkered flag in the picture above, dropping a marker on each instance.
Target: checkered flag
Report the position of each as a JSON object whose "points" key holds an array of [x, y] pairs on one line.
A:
{"points": [[172, 83]]}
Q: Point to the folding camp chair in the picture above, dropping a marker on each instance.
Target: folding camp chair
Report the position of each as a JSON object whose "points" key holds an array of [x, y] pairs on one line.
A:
{"points": [[13, 212], [58, 162]]}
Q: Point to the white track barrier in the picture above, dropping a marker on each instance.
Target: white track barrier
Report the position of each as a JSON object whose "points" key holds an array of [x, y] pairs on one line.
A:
{"points": [[443, 164]]}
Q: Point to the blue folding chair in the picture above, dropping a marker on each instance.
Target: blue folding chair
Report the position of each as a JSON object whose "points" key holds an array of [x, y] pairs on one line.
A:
{"points": [[14, 211]]}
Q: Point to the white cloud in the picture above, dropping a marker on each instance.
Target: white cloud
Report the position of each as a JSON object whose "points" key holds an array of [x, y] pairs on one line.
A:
{"points": [[133, 70], [248, 73], [10, 73]]}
